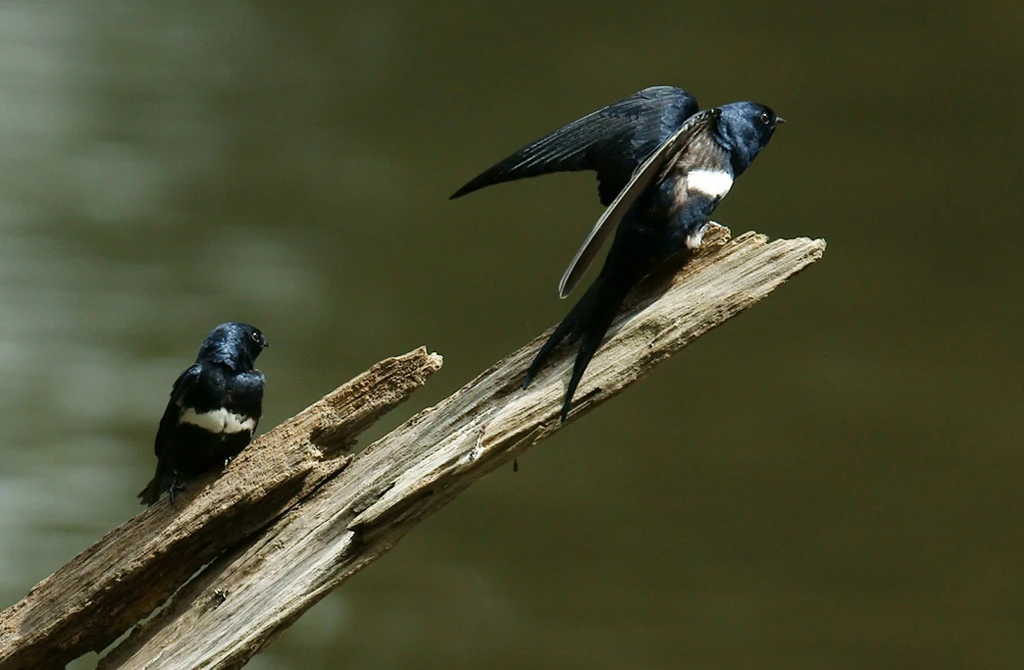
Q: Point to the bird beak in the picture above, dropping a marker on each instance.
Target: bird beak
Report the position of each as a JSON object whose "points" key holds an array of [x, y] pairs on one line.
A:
{"points": [[779, 119]]}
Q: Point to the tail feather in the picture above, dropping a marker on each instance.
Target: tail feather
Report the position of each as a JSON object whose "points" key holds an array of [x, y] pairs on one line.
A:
{"points": [[633, 254], [149, 495], [161, 482], [590, 340], [587, 322], [566, 329]]}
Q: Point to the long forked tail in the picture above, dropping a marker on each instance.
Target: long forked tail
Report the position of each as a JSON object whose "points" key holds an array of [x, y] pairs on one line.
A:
{"points": [[160, 483], [151, 493], [587, 322]]}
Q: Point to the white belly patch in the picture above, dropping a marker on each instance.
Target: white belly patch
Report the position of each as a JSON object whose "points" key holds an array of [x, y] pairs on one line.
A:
{"points": [[219, 421], [715, 183]]}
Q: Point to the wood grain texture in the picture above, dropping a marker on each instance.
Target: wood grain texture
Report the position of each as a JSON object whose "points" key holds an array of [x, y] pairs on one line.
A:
{"points": [[123, 577], [244, 599]]}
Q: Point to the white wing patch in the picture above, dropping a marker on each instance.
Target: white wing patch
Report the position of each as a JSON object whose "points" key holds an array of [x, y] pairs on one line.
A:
{"points": [[715, 183], [219, 421]]}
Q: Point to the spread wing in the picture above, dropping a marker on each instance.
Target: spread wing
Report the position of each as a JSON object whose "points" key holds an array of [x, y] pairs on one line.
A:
{"points": [[642, 178], [185, 382], [613, 141]]}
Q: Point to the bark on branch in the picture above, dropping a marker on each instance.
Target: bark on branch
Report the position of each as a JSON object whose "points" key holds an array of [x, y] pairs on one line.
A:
{"points": [[120, 579], [285, 536]]}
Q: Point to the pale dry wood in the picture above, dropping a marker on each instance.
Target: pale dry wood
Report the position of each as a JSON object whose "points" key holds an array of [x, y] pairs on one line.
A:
{"points": [[239, 604], [120, 579]]}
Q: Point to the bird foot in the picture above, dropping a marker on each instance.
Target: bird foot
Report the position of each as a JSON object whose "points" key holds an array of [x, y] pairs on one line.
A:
{"points": [[176, 487]]}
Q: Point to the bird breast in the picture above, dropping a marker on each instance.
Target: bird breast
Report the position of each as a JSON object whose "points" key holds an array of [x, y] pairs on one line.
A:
{"points": [[219, 421], [712, 183]]}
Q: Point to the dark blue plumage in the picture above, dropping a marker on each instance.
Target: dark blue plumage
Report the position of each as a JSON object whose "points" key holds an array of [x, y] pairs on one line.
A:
{"points": [[213, 411], [663, 167], [612, 141]]}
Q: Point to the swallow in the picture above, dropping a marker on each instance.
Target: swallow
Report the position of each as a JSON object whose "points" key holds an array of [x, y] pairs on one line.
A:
{"points": [[214, 408], [662, 168]]}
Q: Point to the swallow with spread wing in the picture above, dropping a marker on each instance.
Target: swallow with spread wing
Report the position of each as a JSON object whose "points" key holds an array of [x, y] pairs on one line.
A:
{"points": [[662, 168]]}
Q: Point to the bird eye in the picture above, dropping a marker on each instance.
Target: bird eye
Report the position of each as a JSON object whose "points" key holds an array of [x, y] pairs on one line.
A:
{"points": [[256, 337], [766, 118]]}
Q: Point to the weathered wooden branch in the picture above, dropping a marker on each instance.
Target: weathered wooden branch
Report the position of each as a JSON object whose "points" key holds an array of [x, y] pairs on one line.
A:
{"points": [[120, 579], [319, 527]]}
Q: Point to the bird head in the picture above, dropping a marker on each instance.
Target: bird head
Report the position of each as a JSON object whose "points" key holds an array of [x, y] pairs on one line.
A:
{"points": [[234, 344], [745, 128]]}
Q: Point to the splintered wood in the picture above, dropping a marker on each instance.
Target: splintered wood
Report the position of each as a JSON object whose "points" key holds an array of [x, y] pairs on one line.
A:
{"points": [[295, 515]]}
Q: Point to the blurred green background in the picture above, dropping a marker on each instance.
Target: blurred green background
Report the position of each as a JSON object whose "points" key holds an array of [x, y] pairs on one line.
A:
{"points": [[833, 480]]}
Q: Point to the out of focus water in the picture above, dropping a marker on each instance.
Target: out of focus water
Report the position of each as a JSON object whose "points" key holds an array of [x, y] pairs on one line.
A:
{"points": [[832, 480]]}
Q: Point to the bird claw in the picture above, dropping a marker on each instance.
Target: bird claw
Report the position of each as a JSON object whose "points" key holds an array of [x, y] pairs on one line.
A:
{"points": [[176, 486]]}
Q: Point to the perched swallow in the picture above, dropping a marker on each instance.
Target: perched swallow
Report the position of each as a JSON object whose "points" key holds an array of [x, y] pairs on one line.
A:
{"points": [[214, 408], [663, 167]]}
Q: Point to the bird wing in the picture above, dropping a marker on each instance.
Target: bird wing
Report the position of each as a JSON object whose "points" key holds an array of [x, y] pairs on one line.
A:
{"points": [[185, 382], [642, 178], [613, 141], [246, 395]]}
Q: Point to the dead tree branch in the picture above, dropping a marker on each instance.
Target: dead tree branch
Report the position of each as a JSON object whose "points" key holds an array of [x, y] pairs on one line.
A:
{"points": [[120, 579], [295, 537]]}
